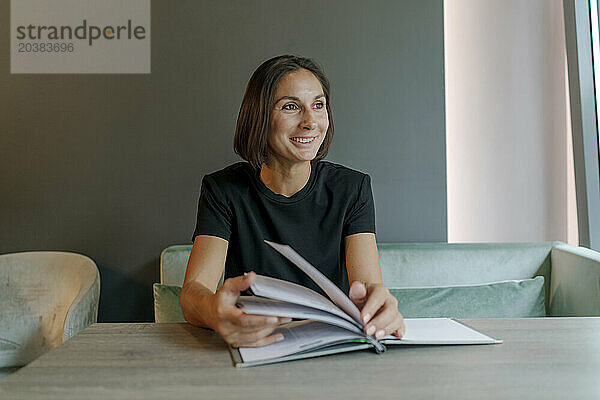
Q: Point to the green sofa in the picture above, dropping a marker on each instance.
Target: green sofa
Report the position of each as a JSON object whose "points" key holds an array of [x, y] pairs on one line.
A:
{"points": [[46, 297], [467, 280]]}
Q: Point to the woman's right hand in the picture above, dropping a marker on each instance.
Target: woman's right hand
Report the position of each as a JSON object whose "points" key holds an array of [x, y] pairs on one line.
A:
{"points": [[237, 328]]}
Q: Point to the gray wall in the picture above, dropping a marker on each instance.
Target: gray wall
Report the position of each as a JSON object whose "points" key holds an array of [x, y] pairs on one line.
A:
{"points": [[110, 165]]}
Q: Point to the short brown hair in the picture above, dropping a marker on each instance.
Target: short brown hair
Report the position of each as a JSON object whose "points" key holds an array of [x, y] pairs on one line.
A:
{"points": [[250, 140]]}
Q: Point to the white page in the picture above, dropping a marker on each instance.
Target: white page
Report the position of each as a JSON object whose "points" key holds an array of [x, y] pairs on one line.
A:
{"points": [[438, 331], [335, 294], [278, 289], [261, 306], [298, 337]]}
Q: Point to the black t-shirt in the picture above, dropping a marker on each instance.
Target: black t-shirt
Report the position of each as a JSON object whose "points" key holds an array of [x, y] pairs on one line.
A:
{"points": [[237, 206]]}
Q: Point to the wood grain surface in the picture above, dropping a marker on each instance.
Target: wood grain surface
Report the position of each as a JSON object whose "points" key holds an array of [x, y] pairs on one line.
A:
{"points": [[541, 358]]}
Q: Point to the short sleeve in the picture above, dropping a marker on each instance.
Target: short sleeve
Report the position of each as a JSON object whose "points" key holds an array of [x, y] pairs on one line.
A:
{"points": [[214, 215], [360, 217]]}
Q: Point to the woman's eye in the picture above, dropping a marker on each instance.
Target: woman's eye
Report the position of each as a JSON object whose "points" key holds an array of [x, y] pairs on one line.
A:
{"points": [[319, 105], [290, 106]]}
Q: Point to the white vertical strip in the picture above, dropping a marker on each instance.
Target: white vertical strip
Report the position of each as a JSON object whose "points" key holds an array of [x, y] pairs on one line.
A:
{"points": [[595, 52], [505, 121], [572, 223]]}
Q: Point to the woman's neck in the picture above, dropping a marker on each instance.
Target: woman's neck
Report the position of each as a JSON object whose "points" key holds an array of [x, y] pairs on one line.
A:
{"points": [[285, 180]]}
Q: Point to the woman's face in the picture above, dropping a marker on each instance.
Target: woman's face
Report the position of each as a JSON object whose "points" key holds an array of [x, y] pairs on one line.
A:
{"points": [[299, 120]]}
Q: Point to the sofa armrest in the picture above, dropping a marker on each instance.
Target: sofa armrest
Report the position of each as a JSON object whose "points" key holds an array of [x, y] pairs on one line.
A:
{"points": [[84, 310], [575, 281]]}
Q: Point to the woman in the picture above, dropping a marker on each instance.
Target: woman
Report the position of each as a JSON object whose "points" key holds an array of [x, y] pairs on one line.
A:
{"points": [[286, 194]]}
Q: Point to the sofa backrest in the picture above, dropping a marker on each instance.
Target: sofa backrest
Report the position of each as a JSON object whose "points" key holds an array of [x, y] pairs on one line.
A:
{"points": [[424, 264], [444, 264], [427, 264], [173, 263]]}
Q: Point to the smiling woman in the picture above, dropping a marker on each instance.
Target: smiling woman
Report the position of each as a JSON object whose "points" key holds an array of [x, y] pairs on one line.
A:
{"points": [[270, 91], [287, 143], [298, 128], [285, 193]]}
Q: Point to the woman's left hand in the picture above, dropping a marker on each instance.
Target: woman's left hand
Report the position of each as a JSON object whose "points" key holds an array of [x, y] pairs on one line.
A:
{"points": [[378, 309]]}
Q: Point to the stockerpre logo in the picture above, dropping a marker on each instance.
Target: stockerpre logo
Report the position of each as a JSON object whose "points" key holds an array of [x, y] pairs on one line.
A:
{"points": [[80, 36]]}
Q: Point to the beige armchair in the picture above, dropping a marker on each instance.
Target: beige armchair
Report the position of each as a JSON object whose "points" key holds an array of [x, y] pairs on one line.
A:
{"points": [[45, 298]]}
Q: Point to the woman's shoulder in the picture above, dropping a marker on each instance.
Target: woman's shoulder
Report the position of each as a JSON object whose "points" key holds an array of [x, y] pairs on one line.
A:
{"points": [[235, 175], [231, 169], [340, 173]]}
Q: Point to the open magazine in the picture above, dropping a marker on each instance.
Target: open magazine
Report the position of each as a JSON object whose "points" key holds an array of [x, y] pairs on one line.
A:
{"points": [[329, 325]]}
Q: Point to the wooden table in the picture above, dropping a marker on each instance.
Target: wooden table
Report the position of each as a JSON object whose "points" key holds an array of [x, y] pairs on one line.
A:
{"points": [[541, 358]]}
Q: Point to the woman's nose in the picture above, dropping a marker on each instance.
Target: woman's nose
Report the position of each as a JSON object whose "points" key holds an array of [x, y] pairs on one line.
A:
{"points": [[309, 122], [309, 125]]}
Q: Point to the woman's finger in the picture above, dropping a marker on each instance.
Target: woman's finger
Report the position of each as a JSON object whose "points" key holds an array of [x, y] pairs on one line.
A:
{"points": [[396, 327], [358, 293], [235, 322], [375, 300], [255, 339], [399, 333], [276, 337], [249, 321], [229, 293], [381, 324], [239, 283]]}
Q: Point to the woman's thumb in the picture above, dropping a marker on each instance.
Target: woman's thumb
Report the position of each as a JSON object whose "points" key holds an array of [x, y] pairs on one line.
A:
{"points": [[358, 292], [240, 283]]}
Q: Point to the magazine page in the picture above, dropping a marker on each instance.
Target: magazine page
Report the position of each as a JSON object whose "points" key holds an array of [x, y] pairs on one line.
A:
{"points": [[338, 297], [301, 336], [278, 289], [438, 331], [262, 306], [343, 347]]}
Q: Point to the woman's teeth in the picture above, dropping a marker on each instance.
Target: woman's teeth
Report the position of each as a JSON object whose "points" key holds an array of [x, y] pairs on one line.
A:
{"points": [[303, 140]]}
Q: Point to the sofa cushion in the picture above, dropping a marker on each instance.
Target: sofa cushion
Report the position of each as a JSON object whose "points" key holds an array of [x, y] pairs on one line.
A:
{"points": [[506, 299], [166, 303]]}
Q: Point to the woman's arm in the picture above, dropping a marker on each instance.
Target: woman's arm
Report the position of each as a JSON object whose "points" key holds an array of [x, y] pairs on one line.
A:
{"points": [[204, 269], [203, 306], [379, 309]]}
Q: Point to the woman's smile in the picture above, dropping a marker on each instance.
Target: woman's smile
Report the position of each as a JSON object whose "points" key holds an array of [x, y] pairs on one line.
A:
{"points": [[304, 141]]}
